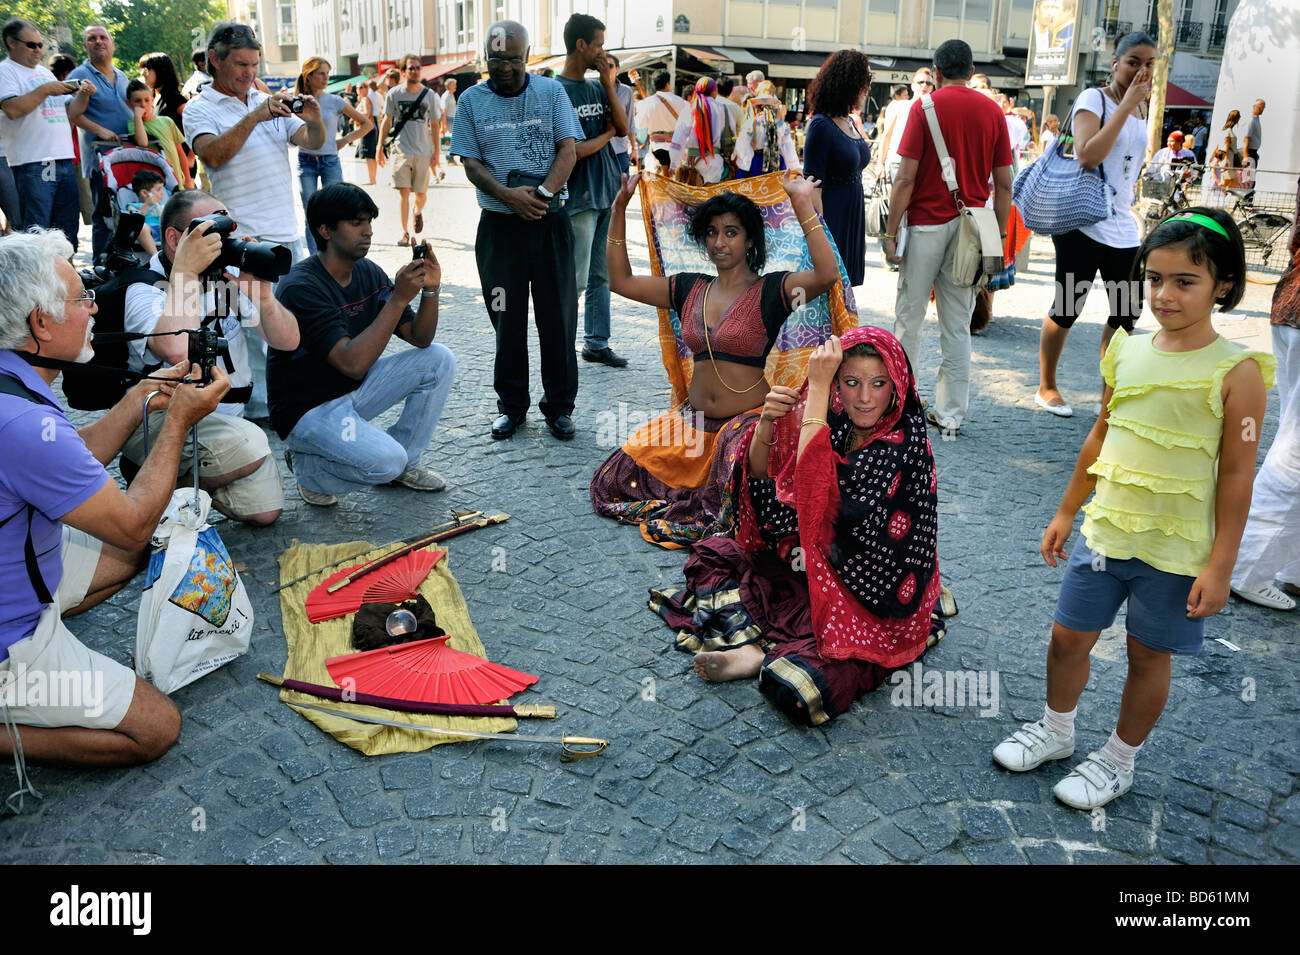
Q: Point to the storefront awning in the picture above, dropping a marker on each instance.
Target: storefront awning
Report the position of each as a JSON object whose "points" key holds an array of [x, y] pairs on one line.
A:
{"points": [[435, 70], [1178, 98], [743, 59], [709, 57], [791, 64], [338, 86]]}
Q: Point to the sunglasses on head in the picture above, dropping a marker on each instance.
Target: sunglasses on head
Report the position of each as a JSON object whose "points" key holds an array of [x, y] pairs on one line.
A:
{"points": [[225, 34]]}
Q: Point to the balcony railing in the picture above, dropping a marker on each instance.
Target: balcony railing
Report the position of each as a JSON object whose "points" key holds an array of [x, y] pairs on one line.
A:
{"points": [[1218, 35], [286, 34], [1188, 34]]}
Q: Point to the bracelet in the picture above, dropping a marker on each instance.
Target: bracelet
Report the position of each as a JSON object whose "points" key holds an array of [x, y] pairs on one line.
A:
{"points": [[768, 443], [610, 240], [812, 230], [809, 219], [430, 292], [808, 421], [889, 235]]}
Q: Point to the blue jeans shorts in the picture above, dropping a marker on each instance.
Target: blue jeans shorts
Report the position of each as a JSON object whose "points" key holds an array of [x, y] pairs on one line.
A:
{"points": [[1094, 587]]}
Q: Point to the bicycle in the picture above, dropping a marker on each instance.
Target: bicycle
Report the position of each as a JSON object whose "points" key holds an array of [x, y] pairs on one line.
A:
{"points": [[1260, 231]]}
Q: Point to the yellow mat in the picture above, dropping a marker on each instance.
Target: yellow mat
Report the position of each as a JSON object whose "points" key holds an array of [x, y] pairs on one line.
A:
{"points": [[310, 644]]}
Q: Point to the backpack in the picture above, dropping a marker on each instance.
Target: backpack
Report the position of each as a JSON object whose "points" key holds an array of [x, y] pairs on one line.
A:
{"points": [[95, 387]]}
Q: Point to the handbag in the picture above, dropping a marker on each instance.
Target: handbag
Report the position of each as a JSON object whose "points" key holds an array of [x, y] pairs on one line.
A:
{"points": [[1055, 194], [977, 254], [195, 615], [878, 208]]}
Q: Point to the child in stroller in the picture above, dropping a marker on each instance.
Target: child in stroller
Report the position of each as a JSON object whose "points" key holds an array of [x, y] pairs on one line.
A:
{"points": [[148, 185], [120, 167]]}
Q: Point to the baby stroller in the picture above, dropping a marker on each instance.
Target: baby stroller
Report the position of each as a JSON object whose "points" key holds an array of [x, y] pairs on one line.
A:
{"points": [[118, 167]]}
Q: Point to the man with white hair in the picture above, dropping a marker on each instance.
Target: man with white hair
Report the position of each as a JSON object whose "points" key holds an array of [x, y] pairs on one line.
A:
{"points": [[753, 78], [70, 537]]}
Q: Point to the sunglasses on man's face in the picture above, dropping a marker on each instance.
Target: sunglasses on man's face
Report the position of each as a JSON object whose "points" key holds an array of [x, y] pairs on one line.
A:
{"points": [[32, 44]]}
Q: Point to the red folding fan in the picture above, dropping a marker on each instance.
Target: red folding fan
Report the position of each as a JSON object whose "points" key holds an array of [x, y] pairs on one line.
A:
{"points": [[394, 582], [428, 671]]}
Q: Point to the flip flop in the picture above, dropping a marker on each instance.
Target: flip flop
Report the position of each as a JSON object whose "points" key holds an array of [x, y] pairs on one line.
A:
{"points": [[405, 240], [419, 222], [1061, 411]]}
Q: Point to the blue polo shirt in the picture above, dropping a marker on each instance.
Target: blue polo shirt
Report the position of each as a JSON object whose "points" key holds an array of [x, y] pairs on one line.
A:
{"points": [[108, 106], [518, 132], [47, 465]]}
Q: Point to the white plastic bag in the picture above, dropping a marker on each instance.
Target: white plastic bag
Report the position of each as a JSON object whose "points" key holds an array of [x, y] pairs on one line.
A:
{"points": [[195, 615]]}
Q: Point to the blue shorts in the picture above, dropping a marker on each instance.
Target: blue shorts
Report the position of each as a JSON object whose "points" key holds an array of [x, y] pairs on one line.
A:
{"points": [[1094, 587]]}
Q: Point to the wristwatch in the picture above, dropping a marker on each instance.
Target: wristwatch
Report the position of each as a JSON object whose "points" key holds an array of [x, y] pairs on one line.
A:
{"points": [[542, 191]]}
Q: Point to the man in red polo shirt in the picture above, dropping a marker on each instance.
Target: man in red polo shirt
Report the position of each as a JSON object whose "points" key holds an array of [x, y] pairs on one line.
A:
{"points": [[976, 136]]}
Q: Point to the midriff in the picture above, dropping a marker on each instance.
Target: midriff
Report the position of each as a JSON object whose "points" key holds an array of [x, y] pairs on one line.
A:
{"points": [[714, 399]]}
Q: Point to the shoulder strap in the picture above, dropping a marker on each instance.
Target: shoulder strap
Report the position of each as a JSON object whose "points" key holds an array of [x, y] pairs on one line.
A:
{"points": [[668, 104], [408, 110], [10, 385], [941, 148]]}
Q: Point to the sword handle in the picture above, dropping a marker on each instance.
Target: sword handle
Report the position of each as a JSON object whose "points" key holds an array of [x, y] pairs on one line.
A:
{"points": [[571, 753]]}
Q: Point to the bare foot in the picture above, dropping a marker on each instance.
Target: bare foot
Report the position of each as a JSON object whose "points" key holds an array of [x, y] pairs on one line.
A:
{"points": [[719, 666]]}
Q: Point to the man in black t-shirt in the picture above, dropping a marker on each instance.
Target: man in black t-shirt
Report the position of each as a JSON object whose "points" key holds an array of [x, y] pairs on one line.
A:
{"points": [[323, 394]]}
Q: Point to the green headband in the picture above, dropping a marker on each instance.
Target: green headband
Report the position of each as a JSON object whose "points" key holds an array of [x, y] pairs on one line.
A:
{"points": [[1201, 220]]}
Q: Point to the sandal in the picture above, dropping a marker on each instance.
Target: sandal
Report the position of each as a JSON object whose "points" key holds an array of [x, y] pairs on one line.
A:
{"points": [[405, 240], [419, 222]]}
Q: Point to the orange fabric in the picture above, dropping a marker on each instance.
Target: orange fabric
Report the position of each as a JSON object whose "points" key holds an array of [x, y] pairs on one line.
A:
{"points": [[675, 451]]}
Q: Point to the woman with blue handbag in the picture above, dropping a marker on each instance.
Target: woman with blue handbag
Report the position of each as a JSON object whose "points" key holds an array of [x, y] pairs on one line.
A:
{"points": [[1109, 129]]}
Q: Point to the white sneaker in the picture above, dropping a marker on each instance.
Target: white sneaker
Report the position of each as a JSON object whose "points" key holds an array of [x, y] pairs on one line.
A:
{"points": [[421, 479], [1031, 746], [1094, 782], [1267, 596]]}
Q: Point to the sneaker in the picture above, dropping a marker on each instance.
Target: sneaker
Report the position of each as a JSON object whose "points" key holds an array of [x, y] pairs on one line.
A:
{"points": [[320, 500], [1031, 746], [1094, 782], [1267, 596], [421, 479], [311, 497]]}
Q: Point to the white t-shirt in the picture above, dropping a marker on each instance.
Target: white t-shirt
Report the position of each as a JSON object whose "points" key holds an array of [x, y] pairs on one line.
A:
{"points": [[1122, 166], [198, 79], [896, 112], [655, 112], [257, 184], [143, 306], [44, 133], [1047, 139], [449, 107], [1017, 132], [376, 106]]}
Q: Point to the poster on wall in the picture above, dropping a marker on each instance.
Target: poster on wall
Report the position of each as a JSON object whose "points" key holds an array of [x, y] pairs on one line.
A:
{"points": [[1052, 57]]}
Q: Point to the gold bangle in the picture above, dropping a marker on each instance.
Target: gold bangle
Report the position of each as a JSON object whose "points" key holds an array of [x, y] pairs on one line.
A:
{"points": [[610, 240], [768, 443], [887, 235], [812, 230], [808, 421], [809, 219]]}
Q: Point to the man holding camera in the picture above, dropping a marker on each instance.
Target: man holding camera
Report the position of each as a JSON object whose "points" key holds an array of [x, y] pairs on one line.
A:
{"points": [[38, 111], [242, 136], [235, 462], [70, 537], [324, 393], [516, 134]]}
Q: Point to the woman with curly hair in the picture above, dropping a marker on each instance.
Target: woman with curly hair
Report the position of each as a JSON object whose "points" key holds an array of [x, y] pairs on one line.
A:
{"points": [[159, 74], [836, 153]]}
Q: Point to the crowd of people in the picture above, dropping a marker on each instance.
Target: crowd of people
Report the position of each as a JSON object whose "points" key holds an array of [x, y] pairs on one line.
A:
{"points": [[809, 504]]}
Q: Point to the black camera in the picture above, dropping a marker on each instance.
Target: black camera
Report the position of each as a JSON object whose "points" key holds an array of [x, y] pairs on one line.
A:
{"points": [[295, 105], [206, 346], [262, 260]]}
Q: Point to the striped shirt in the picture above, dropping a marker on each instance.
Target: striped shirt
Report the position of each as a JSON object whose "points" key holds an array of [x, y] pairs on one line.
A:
{"points": [[257, 184], [519, 132]]}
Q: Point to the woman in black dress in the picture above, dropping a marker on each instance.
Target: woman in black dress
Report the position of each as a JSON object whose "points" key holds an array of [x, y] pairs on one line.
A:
{"points": [[159, 74], [836, 153]]}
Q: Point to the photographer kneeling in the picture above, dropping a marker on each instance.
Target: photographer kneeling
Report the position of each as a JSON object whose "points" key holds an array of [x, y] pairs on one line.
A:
{"points": [[235, 462], [70, 537]]}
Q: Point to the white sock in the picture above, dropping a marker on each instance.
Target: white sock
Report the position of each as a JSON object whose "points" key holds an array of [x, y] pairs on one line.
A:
{"points": [[1120, 752], [1062, 724]]}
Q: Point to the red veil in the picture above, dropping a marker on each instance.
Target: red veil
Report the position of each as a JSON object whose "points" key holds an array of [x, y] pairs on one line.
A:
{"points": [[871, 560]]}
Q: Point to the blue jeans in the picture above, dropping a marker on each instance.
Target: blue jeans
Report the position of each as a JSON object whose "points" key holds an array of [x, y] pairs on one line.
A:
{"points": [[337, 450], [326, 169], [257, 406], [624, 162], [590, 229], [47, 194]]}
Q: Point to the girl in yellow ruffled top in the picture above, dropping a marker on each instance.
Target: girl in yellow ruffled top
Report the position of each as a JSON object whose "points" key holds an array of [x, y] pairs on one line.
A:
{"points": [[1171, 460]]}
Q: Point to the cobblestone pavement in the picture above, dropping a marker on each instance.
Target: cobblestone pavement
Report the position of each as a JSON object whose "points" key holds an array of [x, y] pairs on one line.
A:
{"points": [[698, 772]]}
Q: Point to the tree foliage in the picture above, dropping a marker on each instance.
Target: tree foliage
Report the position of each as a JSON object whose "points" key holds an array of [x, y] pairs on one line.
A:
{"points": [[170, 26], [60, 20]]}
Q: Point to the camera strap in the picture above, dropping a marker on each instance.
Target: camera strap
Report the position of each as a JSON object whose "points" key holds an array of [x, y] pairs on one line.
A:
{"points": [[408, 111], [10, 385]]}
